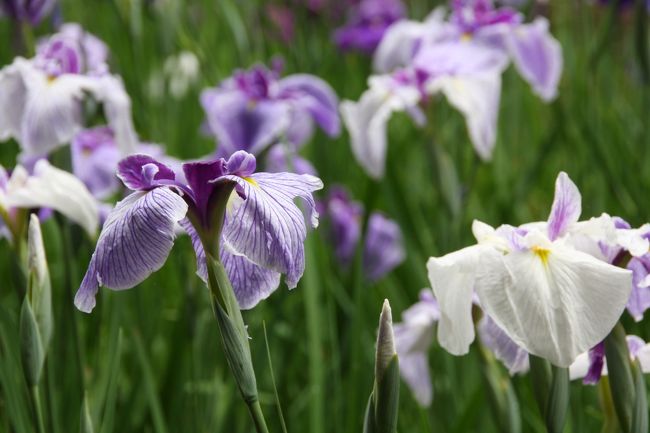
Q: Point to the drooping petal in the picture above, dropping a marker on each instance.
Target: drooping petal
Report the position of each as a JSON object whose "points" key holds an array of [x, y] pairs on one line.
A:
{"points": [[537, 56], [109, 90], [53, 188], [477, 98], [314, 95], [13, 97], [414, 368], [242, 124], [567, 206], [452, 279], [366, 122], [135, 242], [553, 301], [266, 225], [384, 249], [251, 283], [504, 349]]}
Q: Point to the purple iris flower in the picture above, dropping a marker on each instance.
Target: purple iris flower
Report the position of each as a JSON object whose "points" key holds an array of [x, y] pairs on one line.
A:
{"points": [[260, 237], [41, 99], [384, 247], [255, 109], [592, 365], [367, 24], [31, 11]]}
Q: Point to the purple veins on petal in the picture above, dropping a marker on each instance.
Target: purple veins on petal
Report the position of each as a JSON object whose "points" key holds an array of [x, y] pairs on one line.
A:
{"points": [[135, 242], [267, 227], [383, 249], [142, 172], [567, 206], [250, 282]]}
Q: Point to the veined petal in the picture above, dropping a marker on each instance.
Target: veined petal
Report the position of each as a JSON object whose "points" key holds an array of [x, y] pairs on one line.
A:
{"points": [[316, 97], [452, 279], [251, 283], [53, 188], [537, 56], [553, 301], [135, 242], [366, 122], [477, 98], [505, 350], [567, 206], [267, 226]]}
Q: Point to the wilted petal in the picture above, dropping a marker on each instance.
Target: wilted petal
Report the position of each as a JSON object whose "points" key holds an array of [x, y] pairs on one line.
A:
{"points": [[477, 98], [135, 242], [314, 95], [56, 189], [567, 206], [452, 279], [242, 124], [366, 122], [384, 249], [505, 350], [553, 301], [537, 56], [267, 226]]}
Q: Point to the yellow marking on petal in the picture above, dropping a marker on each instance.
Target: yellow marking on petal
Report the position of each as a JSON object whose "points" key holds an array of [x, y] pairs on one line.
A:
{"points": [[251, 181], [466, 37], [542, 253]]}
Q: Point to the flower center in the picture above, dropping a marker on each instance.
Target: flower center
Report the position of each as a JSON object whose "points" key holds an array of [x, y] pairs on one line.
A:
{"points": [[542, 253]]}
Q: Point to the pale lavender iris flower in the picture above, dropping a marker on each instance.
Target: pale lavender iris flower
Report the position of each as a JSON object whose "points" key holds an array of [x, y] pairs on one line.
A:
{"points": [[261, 236], [31, 11], [42, 98], [367, 23], [592, 365], [255, 109], [461, 57], [383, 249]]}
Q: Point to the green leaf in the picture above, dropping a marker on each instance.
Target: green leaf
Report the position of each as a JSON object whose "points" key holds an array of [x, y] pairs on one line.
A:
{"points": [[558, 400], [369, 417], [621, 381], [85, 421], [640, 414], [541, 378], [502, 397]]}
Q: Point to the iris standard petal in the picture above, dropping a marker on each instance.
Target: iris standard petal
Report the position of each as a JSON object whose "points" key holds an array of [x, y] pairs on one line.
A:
{"points": [[553, 301], [53, 188], [135, 242], [366, 122], [452, 279], [537, 56], [142, 172], [266, 225], [477, 98], [567, 207], [314, 95]]}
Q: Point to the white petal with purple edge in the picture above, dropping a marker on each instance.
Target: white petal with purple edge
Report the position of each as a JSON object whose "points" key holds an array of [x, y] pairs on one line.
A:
{"points": [[537, 56], [567, 206], [452, 279], [135, 242], [50, 187], [553, 301], [267, 226]]}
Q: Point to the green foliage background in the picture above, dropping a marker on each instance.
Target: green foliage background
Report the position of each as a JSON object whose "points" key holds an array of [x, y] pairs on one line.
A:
{"points": [[149, 359]]}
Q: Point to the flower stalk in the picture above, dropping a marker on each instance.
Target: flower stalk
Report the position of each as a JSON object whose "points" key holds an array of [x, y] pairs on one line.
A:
{"points": [[551, 390]]}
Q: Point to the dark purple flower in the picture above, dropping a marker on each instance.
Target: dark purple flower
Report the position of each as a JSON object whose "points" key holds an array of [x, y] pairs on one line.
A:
{"points": [[260, 237], [367, 24], [254, 109], [32, 11]]}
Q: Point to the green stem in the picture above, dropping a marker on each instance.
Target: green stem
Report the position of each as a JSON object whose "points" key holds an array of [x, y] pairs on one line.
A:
{"points": [[258, 417], [38, 411], [610, 423]]}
